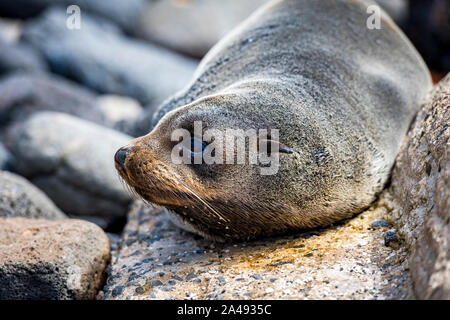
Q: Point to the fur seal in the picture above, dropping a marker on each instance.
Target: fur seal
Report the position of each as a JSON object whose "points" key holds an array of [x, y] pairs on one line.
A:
{"points": [[342, 96]]}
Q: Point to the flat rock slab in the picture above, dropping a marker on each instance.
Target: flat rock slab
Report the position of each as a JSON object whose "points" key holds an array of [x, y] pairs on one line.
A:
{"points": [[51, 260], [419, 197], [156, 260]]}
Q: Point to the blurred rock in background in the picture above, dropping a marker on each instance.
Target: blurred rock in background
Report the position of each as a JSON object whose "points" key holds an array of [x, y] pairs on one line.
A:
{"points": [[19, 198], [428, 27], [123, 13], [118, 108], [101, 58], [19, 56], [22, 94], [7, 161], [72, 161], [10, 29], [192, 27]]}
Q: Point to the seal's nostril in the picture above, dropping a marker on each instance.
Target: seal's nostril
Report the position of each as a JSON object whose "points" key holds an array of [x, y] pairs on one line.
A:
{"points": [[120, 156]]}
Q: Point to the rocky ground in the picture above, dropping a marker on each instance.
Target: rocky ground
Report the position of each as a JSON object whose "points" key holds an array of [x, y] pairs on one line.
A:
{"points": [[70, 98], [361, 258]]}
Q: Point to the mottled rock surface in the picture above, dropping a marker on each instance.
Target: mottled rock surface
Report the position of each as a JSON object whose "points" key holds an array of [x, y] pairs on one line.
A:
{"points": [[420, 195], [193, 26], [99, 57], [156, 260], [19, 198], [72, 161], [51, 260]]}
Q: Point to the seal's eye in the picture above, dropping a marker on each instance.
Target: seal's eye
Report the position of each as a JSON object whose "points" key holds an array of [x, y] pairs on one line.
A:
{"points": [[197, 145]]}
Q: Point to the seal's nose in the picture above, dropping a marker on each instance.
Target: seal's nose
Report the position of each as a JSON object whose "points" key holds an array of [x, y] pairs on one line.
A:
{"points": [[120, 157]]}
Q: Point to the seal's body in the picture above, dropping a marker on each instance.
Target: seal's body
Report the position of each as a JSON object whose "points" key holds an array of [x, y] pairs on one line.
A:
{"points": [[342, 96]]}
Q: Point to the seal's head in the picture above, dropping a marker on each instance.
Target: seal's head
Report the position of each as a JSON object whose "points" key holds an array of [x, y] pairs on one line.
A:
{"points": [[225, 196]]}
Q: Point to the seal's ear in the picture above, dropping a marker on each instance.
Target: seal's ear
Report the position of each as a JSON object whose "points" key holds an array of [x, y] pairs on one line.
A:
{"points": [[276, 146]]}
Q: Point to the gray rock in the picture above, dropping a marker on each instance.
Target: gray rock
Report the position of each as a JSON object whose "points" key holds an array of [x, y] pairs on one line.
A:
{"points": [[19, 57], [42, 259], [10, 30], [380, 224], [156, 260], [22, 94], [106, 61], [193, 26], [123, 13], [390, 236], [108, 224], [7, 161], [19, 198], [72, 161], [419, 196], [118, 109]]}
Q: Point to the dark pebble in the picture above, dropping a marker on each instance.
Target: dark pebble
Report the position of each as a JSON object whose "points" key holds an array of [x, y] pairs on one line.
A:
{"points": [[380, 224], [390, 236], [133, 276], [256, 276], [176, 278], [221, 280], [279, 263], [139, 290], [156, 283], [142, 237], [129, 242], [190, 276], [117, 291], [387, 265]]}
